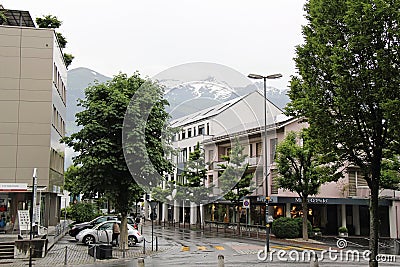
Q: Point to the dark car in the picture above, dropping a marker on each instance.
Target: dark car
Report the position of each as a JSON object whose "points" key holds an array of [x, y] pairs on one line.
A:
{"points": [[86, 225]]}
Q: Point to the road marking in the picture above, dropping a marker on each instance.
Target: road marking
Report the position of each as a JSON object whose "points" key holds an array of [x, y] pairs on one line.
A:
{"points": [[185, 248], [280, 247], [201, 248], [296, 248], [312, 248], [219, 247]]}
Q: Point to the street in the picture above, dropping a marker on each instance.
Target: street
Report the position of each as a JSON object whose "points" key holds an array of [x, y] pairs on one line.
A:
{"points": [[184, 247]]}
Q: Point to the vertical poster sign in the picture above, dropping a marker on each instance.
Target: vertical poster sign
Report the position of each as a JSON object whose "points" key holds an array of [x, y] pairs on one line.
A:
{"points": [[24, 221], [34, 191]]}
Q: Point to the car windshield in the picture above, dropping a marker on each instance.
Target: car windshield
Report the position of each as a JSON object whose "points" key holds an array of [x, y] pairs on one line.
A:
{"points": [[99, 220]]}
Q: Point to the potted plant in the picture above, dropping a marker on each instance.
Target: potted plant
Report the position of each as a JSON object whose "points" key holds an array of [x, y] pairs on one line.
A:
{"points": [[343, 232], [316, 232]]}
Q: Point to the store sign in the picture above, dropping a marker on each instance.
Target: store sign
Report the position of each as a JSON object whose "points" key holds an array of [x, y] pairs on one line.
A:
{"points": [[13, 187], [313, 200]]}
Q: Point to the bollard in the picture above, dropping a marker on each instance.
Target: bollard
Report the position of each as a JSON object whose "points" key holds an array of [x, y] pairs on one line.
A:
{"points": [[257, 232], [94, 252], [314, 262], [141, 229], [66, 256], [30, 255], [140, 262], [124, 250], [221, 262], [156, 243], [144, 246]]}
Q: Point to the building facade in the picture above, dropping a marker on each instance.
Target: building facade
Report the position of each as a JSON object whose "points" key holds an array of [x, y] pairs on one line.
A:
{"points": [[223, 119], [341, 203], [33, 79]]}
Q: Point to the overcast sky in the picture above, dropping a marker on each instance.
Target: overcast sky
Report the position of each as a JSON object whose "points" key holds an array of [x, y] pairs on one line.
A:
{"points": [[253, 36]]}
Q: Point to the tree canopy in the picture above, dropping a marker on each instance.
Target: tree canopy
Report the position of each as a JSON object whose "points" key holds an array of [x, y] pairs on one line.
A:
{"points": [[102, 166], [302, 169], [50, 21], [348, 85]]}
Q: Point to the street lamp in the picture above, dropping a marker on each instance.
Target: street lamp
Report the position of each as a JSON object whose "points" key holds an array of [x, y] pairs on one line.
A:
{"points": [[264, 78]]}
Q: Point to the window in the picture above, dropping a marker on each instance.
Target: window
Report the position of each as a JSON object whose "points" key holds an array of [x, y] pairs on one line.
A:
{"points": [[273, 142], [183, 134], [194, 131], [208, 128], [259, 149], [211, 155], [201, 129], [210, 179], [189, 133]]}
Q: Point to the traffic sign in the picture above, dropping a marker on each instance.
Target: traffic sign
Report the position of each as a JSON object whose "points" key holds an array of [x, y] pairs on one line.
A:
{"points": [[246, 203]]}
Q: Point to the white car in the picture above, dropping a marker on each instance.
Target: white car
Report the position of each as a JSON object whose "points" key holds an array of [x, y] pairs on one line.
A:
{"points": [[102, 233]]}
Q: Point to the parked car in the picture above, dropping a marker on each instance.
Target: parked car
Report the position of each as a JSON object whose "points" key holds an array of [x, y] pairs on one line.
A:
{"points": [[102, 233], [87, 225]]}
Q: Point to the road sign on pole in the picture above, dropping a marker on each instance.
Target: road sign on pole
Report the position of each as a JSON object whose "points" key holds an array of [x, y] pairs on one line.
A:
{"points": [[246, 203]]}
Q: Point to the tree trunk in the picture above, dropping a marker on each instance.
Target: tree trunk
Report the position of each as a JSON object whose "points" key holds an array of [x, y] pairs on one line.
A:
{"points": [[305, 221], [123, 244], [374, 224]]}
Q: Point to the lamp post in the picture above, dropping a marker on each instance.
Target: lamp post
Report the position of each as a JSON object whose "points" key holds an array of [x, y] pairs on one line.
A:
{"points": [[264, 78]]}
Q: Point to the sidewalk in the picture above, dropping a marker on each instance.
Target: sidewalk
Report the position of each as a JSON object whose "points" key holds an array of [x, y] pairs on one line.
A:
{"points": [[63, 250]]}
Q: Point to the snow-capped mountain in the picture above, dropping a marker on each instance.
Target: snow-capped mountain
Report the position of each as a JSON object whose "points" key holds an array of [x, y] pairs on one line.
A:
{"points": [[193, 96]]}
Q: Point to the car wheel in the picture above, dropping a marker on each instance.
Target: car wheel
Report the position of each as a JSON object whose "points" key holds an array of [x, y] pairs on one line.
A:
{"points": [[89, 239], [132, 241]]}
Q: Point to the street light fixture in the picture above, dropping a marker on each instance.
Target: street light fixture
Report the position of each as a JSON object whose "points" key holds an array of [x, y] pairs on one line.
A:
{"points": [[264, 78]]}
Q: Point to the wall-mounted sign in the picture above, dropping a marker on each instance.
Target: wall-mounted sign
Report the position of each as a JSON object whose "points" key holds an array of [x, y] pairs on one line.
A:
{"points": [[13, 187], [313, 200]]}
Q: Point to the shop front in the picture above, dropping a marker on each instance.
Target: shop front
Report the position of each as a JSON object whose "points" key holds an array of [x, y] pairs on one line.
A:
{"points": [[329, 214]]}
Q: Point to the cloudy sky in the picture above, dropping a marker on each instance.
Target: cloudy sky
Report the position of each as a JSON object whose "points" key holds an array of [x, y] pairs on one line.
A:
{"points": [[254, 36]]}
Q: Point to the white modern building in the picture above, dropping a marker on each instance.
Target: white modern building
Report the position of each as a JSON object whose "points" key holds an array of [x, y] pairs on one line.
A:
{"points": [[33, 79], [238, 114]]}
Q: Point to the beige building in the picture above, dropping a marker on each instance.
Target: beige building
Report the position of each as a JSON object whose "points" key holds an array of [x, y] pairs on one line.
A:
{"points": [[33, 80]]}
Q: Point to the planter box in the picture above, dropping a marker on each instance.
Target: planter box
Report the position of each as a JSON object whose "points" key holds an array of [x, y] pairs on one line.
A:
{"points": [[39, 248], [317, 233], [343, 234]]}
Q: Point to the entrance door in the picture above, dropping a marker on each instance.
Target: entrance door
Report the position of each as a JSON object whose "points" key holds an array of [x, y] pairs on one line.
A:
{"points": [[331, 226]]}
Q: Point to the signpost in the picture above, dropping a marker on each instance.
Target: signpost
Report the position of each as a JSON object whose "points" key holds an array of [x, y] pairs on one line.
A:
{"points": [[153, 205], [246, 205]]}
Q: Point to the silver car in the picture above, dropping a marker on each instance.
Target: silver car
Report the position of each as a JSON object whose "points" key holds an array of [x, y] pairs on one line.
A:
{"points": [[102, 233]]}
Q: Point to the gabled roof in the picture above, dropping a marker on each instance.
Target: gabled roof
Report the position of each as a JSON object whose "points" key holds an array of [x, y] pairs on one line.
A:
{"points": [[206, 113]]}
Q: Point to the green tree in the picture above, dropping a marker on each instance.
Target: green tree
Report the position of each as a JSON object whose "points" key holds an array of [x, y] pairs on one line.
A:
{"points": [[72, 182], [195, 177], [50, 21], [103, 167], [302, 170], [83, 212], [235, 177], [348, 85]]}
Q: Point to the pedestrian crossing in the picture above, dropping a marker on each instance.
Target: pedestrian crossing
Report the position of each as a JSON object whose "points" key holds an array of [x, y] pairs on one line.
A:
{"points": [[202, 248]]}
